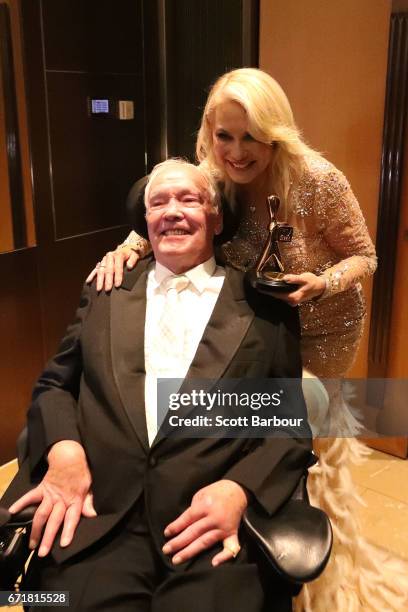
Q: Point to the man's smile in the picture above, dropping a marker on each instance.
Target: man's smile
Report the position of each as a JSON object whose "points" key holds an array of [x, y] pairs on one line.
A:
{"points": [[175, 232]]}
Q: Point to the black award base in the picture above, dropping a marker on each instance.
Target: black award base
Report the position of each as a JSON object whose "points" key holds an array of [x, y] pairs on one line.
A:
{"points": [[269, 282]]}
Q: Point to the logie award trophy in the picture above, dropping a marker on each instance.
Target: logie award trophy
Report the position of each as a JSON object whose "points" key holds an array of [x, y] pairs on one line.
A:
{"points": [[267, 276]]}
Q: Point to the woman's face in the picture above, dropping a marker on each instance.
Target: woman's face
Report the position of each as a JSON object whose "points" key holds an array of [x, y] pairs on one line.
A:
{"points": [[244, 159]]}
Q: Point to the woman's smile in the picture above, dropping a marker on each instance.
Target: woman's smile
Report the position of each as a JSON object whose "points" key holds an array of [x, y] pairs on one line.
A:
{"points": [[243, 158]]}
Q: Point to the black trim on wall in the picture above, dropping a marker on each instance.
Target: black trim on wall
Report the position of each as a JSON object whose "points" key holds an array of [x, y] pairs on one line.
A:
{"points": [[154, 81], [250, 33], [198, 42], [390, 195], [11, 129]]}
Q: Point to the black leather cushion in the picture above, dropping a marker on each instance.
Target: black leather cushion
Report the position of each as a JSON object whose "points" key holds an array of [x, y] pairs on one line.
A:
{"points": [[296, 540]]}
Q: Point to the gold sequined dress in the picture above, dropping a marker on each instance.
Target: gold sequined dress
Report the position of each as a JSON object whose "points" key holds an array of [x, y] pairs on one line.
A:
{"points": [[330, 238]]}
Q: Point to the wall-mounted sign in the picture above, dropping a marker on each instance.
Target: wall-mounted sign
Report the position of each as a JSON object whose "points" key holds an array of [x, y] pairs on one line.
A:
{"points": [[110, 108]]}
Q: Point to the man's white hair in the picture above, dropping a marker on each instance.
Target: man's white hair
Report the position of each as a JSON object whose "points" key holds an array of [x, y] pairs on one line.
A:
{"points": [[177, 163]]}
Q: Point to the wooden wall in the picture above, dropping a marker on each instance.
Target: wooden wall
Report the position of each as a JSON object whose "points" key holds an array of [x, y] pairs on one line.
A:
{"points": [[6, 228], [331, 59]]}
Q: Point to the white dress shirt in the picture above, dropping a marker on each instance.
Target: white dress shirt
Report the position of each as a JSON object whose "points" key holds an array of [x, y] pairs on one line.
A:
{"points": [[196, 303]]}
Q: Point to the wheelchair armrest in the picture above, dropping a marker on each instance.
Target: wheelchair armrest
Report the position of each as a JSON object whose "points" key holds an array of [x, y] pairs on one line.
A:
{"points": [[14, 546], [19, 519]]}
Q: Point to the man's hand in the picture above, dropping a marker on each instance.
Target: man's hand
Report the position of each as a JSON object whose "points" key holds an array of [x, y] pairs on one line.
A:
{"points": [[63, 495], [214, 514]]}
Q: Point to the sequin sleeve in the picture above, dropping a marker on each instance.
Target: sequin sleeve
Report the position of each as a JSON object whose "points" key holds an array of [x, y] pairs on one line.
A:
{"points": [[345, 232]]}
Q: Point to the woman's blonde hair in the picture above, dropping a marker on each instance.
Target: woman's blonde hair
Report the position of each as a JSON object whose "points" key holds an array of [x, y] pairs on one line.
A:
{"points": [[270, 120]]}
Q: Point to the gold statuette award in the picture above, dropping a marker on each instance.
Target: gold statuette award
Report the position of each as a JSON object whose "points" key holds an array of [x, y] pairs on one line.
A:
{"points": [[267, 276]]}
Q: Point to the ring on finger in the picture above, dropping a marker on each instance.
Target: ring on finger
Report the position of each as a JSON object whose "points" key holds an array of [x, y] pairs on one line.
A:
{"points": [[234, 551]]}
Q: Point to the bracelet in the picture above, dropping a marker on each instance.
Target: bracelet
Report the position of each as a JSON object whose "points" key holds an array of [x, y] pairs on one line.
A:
{"points": [[136, 243], [142, 250], [325, 290]]}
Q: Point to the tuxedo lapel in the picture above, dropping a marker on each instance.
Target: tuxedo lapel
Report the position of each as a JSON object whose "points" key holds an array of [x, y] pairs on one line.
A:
{"points": [[225, 330], [128, 313]]}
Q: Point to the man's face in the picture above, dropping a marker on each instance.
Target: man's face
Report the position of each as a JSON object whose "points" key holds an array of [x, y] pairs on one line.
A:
{"points": [[180, 219]]}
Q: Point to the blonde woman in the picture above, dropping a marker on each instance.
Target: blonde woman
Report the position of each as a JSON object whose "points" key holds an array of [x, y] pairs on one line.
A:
{"points": [[249, 140]]}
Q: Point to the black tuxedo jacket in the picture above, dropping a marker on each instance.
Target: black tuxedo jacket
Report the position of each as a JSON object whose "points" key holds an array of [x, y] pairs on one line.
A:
{"points": [[92, 391]]}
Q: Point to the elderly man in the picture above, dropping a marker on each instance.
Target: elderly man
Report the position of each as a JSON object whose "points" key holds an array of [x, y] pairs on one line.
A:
{"points": [[139, 521]]}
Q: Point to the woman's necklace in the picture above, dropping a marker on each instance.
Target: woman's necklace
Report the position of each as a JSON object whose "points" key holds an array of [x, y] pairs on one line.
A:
{"points": [[253, 206], [255, 214]]}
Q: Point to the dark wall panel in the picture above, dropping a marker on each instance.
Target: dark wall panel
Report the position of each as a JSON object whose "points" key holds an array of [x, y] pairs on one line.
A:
{"points": [[203, 40], [93, 49], [92, 35], [94, 159]]}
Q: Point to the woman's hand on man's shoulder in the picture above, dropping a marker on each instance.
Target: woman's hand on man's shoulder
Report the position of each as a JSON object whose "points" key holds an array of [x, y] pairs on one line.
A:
{"points": [[109, 271]]}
